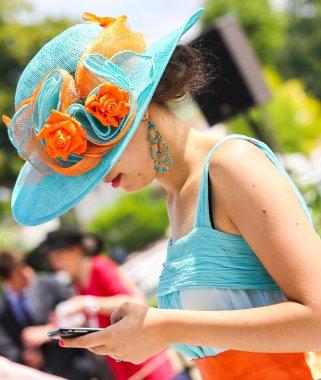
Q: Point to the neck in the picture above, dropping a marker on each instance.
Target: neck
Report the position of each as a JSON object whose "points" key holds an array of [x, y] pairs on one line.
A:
{"points": [[14, 289], [188, 148]]}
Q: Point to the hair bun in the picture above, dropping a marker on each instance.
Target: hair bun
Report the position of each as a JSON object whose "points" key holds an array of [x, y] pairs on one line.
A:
{"points": [[186, 72]]}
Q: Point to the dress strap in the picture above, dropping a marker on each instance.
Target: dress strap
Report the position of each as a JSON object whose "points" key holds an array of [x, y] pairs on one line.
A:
{"points": [[203, 213]]}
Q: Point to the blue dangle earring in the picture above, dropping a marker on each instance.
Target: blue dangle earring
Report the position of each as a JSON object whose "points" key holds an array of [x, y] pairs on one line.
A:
{"points": [[159, 151]]}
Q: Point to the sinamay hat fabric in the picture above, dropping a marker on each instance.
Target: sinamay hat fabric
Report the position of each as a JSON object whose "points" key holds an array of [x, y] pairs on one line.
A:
{"points": [[40, 193]]}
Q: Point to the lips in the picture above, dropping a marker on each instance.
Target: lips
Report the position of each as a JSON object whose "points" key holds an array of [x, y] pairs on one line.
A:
{"points": [[116, 181]]}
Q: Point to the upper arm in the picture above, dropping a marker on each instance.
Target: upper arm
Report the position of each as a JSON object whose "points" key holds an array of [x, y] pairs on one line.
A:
{"points": [[262, 204]]}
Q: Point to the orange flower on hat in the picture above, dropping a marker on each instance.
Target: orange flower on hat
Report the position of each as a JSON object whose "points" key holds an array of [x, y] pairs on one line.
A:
{"points": [[63, 135], [109, 105]]}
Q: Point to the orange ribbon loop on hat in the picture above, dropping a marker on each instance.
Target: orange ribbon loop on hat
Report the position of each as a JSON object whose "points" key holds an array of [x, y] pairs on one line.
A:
{"points": [[115, 37], [102, 21], [6, 120]]}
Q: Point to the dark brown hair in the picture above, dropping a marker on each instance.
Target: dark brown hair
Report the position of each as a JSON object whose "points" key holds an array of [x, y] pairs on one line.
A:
{"points": [[186, 72], [67, 237], [9, 260]]}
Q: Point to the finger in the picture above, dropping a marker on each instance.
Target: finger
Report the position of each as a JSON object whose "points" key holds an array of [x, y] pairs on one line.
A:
{"points": [[86, 341]]}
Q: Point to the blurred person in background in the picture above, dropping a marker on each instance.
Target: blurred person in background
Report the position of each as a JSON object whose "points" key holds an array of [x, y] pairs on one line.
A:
{"points": [[101, 287], [26, 316]]}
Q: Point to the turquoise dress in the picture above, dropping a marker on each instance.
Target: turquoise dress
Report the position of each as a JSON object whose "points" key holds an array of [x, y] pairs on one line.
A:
{"points": [[212, 270]]}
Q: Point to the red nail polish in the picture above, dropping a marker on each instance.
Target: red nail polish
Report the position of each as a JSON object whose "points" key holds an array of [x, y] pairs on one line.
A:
{"points": [[61, 343]]}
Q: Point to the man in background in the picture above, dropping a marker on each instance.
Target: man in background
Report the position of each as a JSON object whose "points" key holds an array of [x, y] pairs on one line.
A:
{"points": [[26, 316]]}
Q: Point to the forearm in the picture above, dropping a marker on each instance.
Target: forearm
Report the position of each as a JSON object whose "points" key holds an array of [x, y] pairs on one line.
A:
{"points": [[283, 327]]}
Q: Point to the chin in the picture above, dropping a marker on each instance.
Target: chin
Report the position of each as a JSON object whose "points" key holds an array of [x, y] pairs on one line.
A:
{"points": [[135, 187]]}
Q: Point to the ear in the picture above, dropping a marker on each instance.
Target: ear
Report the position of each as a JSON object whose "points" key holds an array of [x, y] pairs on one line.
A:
{"points": [[146, 115]]}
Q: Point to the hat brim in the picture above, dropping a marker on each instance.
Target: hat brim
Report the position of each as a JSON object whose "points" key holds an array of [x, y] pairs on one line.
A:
{"points": [[53, 195]]}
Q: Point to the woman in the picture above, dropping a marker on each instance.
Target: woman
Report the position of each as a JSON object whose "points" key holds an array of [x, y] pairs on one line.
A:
{"points": [[101, 287], [241, 282]]}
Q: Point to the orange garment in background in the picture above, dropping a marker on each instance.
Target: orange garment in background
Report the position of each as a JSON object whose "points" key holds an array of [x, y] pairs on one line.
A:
{"points": [[242, 365]]}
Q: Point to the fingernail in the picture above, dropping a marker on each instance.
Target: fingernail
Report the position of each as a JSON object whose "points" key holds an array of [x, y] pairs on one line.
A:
{"points": [[61, 343]]}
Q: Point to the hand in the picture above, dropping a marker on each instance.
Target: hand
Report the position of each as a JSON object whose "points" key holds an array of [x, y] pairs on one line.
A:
{"points": [[35, 336], [76, 304], [137, 333], [79, 304], [69, 313]]}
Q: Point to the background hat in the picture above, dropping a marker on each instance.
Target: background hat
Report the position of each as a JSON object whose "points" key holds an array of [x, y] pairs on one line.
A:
{"points": [[67, 237], [63, 238], [57, 79]]}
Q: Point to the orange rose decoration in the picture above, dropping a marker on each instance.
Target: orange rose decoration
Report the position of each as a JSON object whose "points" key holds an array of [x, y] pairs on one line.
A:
{"points": [[63, 135], [109, 105]]}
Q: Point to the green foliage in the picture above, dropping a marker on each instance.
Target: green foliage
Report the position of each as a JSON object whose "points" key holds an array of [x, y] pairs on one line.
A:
{"points": [[263, 26], [312, 195], [301, 54], [134, 221], [18, 44], [9, 237], [5, 210], [10, 8], [293, 113]]}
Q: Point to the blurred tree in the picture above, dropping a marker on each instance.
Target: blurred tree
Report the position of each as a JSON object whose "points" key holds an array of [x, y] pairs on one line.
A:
{"points": [[263, 25], [301, 53], [10, 8], [134, 221], [294, 114], [18, 44]]}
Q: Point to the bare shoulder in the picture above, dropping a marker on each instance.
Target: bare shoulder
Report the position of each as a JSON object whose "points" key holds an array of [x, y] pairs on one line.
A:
{"points": [[238, 162], [252, 189], [235, 153]]}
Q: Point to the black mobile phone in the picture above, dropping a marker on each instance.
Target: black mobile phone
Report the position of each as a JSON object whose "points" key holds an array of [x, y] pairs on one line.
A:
{"points": [[71, 332]]}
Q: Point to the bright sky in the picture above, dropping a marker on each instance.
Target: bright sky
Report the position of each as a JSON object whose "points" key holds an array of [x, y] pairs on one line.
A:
{"points": [[153, 18]]}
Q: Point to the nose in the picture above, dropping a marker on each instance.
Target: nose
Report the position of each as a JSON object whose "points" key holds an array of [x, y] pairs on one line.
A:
{"points": [[106, 180]]}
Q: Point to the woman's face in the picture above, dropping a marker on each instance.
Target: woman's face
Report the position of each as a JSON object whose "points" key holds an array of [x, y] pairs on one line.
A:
{"points": [[67, 259], [135, 168]]}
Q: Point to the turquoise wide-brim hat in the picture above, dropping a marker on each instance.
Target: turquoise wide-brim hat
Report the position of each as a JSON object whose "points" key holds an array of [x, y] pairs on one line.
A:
{"points": [[42, 192]]}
